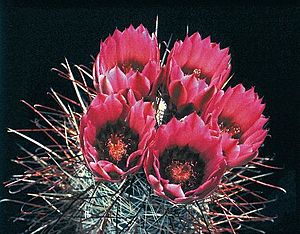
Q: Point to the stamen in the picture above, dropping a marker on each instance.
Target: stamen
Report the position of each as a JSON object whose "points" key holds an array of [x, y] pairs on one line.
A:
{"points": [[197, 73], [116, 142], [180, 172], [229, 128], [116, 147], [128, 67], [182, 165]]}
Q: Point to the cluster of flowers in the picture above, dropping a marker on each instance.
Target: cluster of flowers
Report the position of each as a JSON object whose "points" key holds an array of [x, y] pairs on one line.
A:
{"points": [[204, 131]]}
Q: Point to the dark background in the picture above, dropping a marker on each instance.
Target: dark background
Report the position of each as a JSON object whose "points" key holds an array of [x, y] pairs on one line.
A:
{"points": [[263, 40]]}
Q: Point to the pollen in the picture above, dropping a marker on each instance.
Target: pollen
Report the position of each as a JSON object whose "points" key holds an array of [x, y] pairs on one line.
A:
{"points": [[182, 165], [232, 129], [180, 172], [128, 67], [197, 72], [116, 147], [115, 142]]}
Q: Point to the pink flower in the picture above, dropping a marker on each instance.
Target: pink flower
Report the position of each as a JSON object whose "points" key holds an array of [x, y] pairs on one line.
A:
{"points": [[200, 58], [184, 162], [236, 115], [128, 59], [114, 135], [188, 92]]}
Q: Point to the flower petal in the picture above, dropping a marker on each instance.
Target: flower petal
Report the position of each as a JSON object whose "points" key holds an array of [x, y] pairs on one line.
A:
{"points": [[139, 83], [178, 93], [174, 189], [117, 79]]}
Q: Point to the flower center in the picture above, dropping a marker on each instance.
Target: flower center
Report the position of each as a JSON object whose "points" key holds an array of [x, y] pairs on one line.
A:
{"points": [[182, 165], [231, 128], [127, 67], [180, 172], [198, 74], [116, 146], [115, 142]]}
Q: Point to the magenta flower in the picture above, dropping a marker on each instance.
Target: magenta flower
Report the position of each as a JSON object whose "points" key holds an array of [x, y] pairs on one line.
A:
{"points": [[128, 59], [188, 92], [200, 58], [236, 115], [114, 135], [184, 162]]}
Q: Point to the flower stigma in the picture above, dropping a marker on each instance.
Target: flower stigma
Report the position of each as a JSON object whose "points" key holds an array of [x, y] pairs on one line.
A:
{"points": [[179, 171], [115, 142], [128, 67], [182, 165], [233, 129], [116, 146], [198, 74]]}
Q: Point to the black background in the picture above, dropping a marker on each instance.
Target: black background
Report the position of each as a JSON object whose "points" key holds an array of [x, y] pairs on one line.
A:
{"points": [[263, 40]]}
